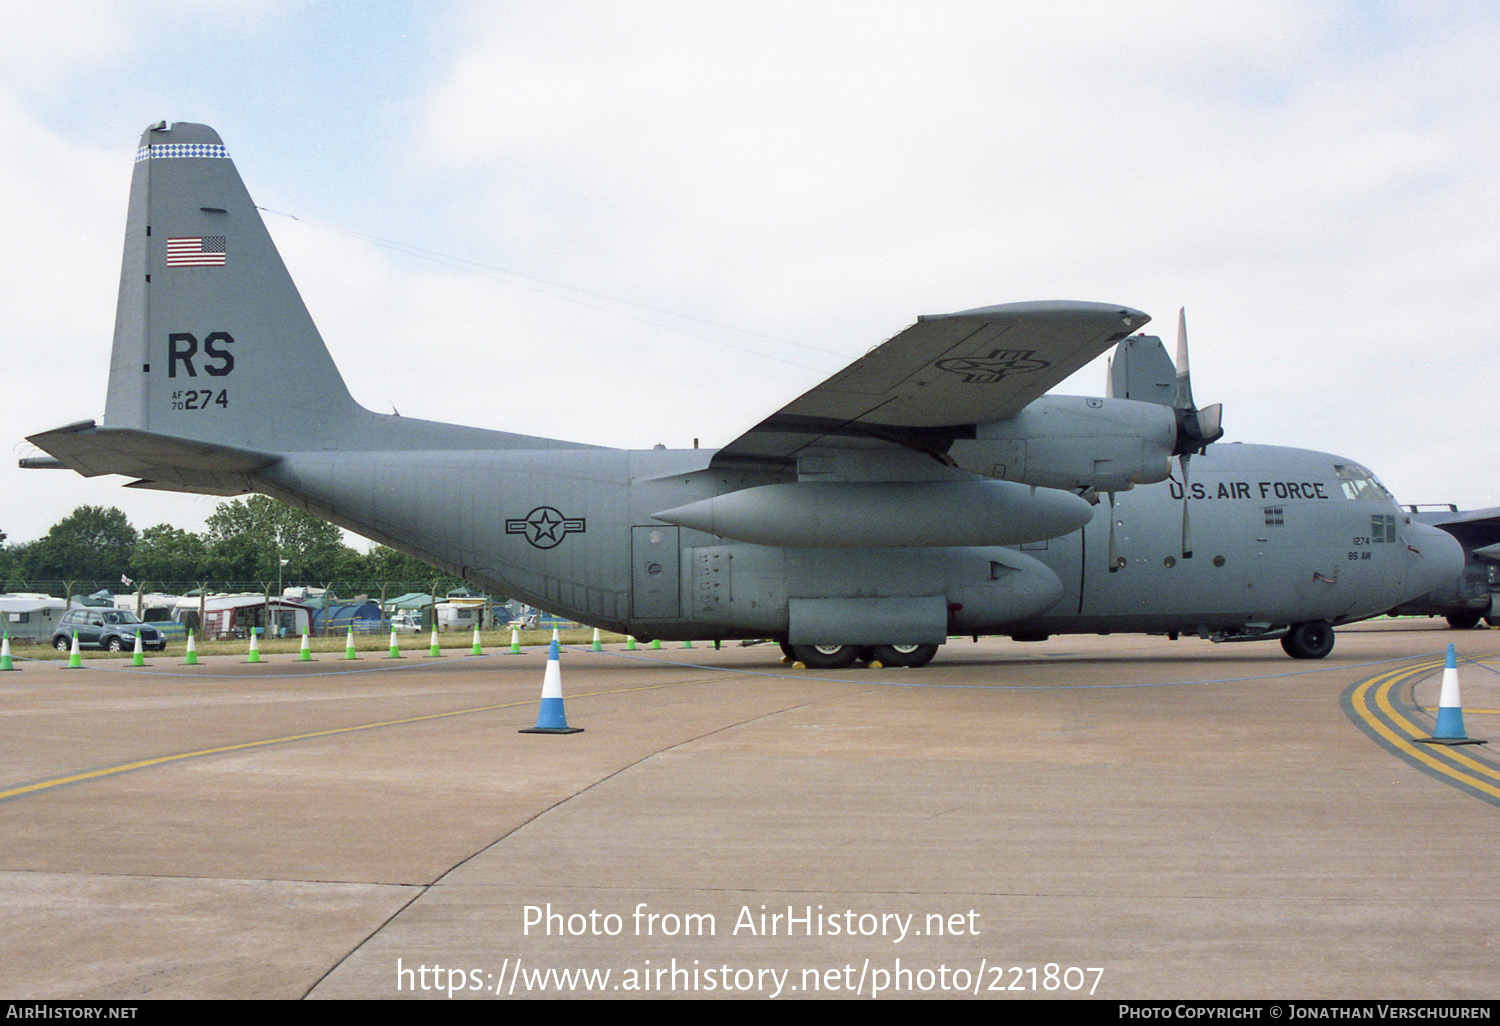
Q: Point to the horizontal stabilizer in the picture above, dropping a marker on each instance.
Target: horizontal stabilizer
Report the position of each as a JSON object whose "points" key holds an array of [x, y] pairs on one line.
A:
{"points": [[160, 461]]}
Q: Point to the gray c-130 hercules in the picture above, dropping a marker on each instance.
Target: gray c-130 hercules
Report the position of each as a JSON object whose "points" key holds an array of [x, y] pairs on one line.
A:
{"points": [[929, 489]]}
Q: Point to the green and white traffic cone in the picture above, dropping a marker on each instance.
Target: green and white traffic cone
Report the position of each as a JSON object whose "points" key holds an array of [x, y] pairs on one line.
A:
{"points": [[139, 659], [478, 644], [5, 660], [349, 650], [630, 642], [190, 657], [687, 644], [75, 657], [655, 644], [305, 656], [515, 642], [597, 646], [434, 649], [254, 656], [395, 647]]}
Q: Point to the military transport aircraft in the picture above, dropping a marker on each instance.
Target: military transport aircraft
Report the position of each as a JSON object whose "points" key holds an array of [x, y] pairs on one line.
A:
{"points": [[929, 489]]}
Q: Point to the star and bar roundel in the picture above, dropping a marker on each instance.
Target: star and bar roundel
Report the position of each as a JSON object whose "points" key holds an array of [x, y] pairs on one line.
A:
{"points": [[545, 527]]}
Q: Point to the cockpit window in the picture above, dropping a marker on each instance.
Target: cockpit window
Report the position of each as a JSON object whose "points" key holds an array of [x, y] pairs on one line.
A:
{"points": [[1359, 483]]}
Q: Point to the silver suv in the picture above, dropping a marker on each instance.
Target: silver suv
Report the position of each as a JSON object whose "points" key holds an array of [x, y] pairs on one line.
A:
{"points": [[114, 629]]}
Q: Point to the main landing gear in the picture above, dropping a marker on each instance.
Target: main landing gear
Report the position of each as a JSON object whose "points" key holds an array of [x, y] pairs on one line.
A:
{"points": [[1308, 640], [837, 657]]}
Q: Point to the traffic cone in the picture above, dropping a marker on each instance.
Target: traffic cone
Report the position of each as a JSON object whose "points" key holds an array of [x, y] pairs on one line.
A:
{"points": [[254, 656], [687, 644], [190, 657], [395, 647], [5, 660], [655, 644], [630, 642], [434, 649], [75, 657], [597, 646], [1450, 716], [478, 645], [305, 656], [349, 650], [515, 642], [139, 659], [550, 717]]}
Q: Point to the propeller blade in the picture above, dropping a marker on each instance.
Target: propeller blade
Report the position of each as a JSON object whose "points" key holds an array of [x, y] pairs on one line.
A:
{"points": [[1184, 375], [1114, 554], [1187, 531], [1211, 422], [1195, 428]]}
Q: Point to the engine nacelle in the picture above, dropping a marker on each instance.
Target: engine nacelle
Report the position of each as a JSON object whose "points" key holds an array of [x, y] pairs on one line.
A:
{"points": [[1075, 443]]}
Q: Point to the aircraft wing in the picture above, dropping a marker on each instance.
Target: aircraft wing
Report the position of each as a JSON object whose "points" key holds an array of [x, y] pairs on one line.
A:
{"points": [[932, 382]]}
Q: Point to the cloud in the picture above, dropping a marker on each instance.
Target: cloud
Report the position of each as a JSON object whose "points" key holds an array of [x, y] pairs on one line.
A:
{"points": [[653, 222]]}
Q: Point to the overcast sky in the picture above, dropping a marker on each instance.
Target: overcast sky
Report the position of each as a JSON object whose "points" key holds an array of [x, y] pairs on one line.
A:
{"points": [[632, 223]]}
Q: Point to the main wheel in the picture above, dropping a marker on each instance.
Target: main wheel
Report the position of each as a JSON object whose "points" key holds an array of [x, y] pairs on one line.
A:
{"points": [[1463, 621], [825, 657], [904, 655], [786, 650], [1308, 640]]}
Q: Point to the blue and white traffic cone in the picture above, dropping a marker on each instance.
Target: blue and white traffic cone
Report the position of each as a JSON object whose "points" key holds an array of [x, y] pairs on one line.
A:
{"points": [[1450, 716], [550, 718]]}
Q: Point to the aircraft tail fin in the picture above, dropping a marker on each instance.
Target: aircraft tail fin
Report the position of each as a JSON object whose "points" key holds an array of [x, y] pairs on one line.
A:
{"points": [[212, 340]]}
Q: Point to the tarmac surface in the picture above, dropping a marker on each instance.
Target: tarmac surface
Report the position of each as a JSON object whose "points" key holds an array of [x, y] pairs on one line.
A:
{"points": [[1117, 818]]}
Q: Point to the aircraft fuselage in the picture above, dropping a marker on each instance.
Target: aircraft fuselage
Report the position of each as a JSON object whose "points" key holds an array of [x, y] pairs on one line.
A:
{"points": [[1278, 540]]}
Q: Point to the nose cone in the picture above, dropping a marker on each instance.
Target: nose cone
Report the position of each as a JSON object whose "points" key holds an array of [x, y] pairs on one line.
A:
{"points": [[1434, 561]]}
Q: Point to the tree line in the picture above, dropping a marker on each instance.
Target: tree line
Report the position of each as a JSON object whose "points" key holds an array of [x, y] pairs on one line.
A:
{"points": [[247, 545]]}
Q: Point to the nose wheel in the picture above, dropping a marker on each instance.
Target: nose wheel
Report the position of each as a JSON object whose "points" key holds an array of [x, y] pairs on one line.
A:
{"points": [[1308, 640]]}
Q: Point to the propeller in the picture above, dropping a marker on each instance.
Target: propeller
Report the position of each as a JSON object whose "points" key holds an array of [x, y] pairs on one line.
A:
{"points": [[1195, 428], [1114, 553]]}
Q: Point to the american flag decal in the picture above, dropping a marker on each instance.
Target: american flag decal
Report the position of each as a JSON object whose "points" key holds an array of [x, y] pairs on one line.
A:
{"points": [[207, 251]]}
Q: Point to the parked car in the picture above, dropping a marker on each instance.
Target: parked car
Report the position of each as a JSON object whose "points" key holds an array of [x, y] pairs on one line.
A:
{"points": [[406, 623], [112, 629]]}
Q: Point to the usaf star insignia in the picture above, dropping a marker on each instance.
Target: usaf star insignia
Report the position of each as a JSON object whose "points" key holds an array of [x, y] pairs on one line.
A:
{"points": [[545, 527]]}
